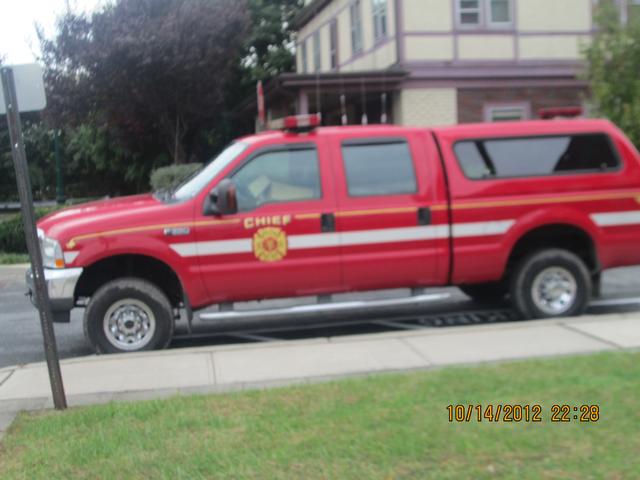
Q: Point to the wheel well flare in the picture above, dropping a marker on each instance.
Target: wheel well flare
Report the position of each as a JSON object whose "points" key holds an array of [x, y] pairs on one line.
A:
{"points": [[566, 237], [138, 266]]}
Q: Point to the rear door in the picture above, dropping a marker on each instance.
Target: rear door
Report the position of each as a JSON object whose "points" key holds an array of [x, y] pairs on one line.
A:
{"points": [[392, 214]]}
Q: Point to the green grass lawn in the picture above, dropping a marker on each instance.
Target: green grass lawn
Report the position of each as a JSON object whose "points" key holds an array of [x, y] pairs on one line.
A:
{"points": [[387, 426], [13, 258]]}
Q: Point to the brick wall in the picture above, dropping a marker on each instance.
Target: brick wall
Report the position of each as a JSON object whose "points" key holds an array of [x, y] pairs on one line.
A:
{"points": [[471, 102], [425, 107]]}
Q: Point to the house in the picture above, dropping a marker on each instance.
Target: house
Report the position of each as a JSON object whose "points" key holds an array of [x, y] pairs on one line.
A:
{"points": [[428, 62]]}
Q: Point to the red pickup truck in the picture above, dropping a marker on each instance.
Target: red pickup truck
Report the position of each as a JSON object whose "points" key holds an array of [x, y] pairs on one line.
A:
{"points": [[529, 210]]}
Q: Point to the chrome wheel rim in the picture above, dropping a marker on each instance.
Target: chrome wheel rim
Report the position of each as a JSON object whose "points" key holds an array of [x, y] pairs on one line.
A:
{"points": [[129, 324], [554, 290]]}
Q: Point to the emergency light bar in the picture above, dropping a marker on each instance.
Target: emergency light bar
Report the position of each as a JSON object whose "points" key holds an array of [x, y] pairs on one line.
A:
{"points": [[297, 123], [560, 112]]}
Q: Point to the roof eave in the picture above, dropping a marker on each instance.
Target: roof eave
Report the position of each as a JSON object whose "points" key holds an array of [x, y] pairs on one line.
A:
{"points": [[308, 12]]}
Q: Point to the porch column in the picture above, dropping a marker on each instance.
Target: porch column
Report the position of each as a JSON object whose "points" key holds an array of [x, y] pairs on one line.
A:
{"points": [[303, 103]]}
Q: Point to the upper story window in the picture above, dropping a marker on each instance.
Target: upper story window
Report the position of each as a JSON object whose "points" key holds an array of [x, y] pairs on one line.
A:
{"points": [[333, 43], [379, 8], [499, 12], [303, 49], [469, 12], [485, 13], [316, 52], [356, 26]]}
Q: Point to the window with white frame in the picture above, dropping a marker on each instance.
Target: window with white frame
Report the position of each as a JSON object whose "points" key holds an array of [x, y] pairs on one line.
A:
{"points": [[316, 52], [485, 13], [469, 12], [499, 12], [379, 9], [506, 113], [333, 43], [356, 26], [303, 55]]}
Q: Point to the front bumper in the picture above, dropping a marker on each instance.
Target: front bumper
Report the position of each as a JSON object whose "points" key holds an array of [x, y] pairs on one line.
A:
{"points": [[61, 285]]}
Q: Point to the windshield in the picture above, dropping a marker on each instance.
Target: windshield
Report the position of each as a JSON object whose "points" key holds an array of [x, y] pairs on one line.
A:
{"points": [[194, 184]]}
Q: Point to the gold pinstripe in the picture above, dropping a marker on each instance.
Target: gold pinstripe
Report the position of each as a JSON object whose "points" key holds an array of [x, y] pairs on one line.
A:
{"points": [[547, 200], [74, 240], [383, 211]]}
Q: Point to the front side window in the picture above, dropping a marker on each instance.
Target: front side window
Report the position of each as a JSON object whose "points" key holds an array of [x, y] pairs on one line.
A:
{"points": [[316, 51], [379, 168], [356, 27], [379, 8], [278, 176], [536, 156]]}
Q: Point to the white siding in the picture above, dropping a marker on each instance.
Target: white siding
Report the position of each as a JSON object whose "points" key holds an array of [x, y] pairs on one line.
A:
{"points": [[372, 55]]}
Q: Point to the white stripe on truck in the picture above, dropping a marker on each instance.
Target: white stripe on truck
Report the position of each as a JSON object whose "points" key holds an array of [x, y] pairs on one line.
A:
{"points": [[616, 219], [358, 237]]}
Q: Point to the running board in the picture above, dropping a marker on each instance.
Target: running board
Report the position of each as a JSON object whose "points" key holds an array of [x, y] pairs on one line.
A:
{"points": [[331, 311]]}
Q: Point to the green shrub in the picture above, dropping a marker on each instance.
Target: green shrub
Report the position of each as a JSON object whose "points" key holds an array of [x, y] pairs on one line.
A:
{"points": [[166, 178], [12, 232]]}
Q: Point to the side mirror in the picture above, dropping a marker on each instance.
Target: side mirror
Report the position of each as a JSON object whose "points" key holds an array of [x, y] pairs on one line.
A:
{"points": [[222, 199]]}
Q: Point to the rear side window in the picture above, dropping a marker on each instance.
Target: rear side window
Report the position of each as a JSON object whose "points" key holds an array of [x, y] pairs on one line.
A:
{"points": [[379, 168], [536, 156]]}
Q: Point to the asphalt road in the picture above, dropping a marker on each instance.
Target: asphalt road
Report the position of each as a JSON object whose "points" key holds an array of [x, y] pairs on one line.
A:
{"points": [[21, 337]]}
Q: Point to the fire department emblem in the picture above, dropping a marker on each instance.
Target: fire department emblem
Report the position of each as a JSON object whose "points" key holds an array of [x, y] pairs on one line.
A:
{"points": [[270, 244]]}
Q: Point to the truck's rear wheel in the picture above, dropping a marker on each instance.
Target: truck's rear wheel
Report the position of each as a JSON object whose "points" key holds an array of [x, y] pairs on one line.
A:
{"points": [[488, 293], [128, 315], [551, 283]]}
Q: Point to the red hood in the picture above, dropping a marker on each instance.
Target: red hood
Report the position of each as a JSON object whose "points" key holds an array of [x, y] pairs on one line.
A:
{"points": [[102, 215]]}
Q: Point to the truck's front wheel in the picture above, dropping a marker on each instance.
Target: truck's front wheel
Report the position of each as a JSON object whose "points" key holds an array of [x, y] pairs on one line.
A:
{"points": [[128, 315], [551, 283]]}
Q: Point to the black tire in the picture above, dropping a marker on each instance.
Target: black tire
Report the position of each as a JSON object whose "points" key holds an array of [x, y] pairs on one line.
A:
{"points": [[147, 299], [526, 271], [487, 293]]}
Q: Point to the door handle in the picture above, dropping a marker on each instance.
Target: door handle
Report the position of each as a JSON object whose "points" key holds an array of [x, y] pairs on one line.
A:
{"points": [[328, 222], [424, 216]]}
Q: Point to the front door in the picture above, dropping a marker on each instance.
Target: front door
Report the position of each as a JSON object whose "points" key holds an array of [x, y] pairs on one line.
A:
{"points": [[392, 225], [273, 247]]}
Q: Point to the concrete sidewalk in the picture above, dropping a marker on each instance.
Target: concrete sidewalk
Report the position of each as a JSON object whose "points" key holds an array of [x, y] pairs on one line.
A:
{"points": [[98, 379]]}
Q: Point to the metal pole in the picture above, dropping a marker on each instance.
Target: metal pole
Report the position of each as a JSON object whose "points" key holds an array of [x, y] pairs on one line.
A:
{"points": [[31, 235], [59, 174]]}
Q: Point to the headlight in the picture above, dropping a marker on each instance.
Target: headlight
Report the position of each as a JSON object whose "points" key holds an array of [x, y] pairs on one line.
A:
{"points": [[51, 251]]}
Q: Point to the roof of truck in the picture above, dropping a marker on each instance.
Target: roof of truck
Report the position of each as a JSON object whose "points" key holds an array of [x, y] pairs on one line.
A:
{"points": [[467, 130]]}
